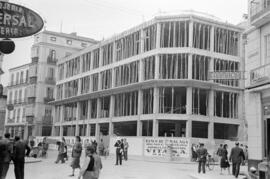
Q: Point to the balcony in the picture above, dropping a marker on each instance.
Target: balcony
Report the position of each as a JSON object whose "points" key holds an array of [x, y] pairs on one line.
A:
{"points": [[33, 80], [260, 76], [34, 59], [29, 111], [47, 120], [30, 120], [48, 99], [22, 81], [50, 80], [51, 60], [259, 12]]}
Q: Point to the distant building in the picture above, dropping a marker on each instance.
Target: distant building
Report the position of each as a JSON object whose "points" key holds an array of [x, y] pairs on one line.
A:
{"points": [[257, 94], [32, 115], [153, 80]]}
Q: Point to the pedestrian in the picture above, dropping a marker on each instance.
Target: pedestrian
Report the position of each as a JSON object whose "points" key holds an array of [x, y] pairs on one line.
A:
{"points": [[20, 149], [202, 154], [45, 147], [65, 155], [101, 147], [76, 155], [94, 143], [119, 151], [61, 151], [6, 152], [126, 146], [236, 156], [86, 144], [92, 165], [193, 153], [224, 162], [219, 152], [246, 154]]}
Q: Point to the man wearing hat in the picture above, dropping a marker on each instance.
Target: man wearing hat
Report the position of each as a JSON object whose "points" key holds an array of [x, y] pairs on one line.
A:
{"points": [[201, 153], [236, 156]]}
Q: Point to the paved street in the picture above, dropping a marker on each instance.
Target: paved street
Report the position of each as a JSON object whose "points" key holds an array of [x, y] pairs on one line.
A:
{"points": [[132, 169]]}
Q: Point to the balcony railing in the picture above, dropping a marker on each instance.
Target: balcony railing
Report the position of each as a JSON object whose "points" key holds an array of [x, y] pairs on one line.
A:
{"points": [[50, 80], [34, 59], [48, 99], [47, 120], [51, 60], [261, 75], [23, 81], [258, 8]]}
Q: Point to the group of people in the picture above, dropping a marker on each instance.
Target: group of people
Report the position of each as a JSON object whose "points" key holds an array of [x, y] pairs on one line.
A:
{"points": [[237, 156], [13, 150], [121, 146], [92, 165]]}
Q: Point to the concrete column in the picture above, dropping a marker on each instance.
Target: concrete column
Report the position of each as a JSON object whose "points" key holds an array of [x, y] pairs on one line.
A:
{"points": [[211, 106], [212, 38], [156, 101], [99, 82], [112, 101], [190, 66], [140, 102], [61, 131], [92, 60], [241, 105], [139, 128], [158, 35], [77, 132], [100, 56], [142, 41], [89, 110], [97, 131], [155, 128], [189, 128], [189, 101], [78, 116], [79, 86], [157, 67], [113, 78], [111, 128], [211, 130], [88, 128], [211, 69], [190, 37], [114, 52], [141, 71], [98, 107]]}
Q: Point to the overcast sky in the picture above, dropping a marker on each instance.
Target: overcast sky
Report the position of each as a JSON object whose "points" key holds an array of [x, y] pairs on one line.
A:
{"points": [[100, 19]]}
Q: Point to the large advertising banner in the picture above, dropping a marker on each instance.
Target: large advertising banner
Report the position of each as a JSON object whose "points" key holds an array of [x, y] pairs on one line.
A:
{"points": [[162, 147]]}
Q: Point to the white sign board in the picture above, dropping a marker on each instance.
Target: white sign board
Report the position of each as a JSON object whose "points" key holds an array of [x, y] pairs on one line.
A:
{"points": [[161, 147]]}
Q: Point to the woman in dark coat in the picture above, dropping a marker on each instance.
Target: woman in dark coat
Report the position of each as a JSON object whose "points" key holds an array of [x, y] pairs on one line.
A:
{"points": [[224, 162], [76, 155]]}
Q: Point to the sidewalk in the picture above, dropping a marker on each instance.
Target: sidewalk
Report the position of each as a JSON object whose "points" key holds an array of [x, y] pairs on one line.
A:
{"points": [[216, 174]]}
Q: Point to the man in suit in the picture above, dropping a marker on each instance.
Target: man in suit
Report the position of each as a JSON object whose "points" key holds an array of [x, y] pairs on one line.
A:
{"points": [[202, 154], [6, 151], [119, 151], [236, 156], [20, 149]]}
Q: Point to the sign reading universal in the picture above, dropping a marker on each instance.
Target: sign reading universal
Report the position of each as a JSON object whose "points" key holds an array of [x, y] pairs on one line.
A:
{"points": [[18, 21], [226, 75]]}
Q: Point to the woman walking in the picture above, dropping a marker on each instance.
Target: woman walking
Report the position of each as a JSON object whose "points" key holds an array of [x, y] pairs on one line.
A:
{"points": [[224, 162], [92, 165], [76, 154]]}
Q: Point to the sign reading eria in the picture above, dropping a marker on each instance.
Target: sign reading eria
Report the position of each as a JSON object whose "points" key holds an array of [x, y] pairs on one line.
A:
{"points": [[18, 21]]}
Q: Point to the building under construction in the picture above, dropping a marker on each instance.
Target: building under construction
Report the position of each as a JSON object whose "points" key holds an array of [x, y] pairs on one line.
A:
{"points": [[153, 80]]}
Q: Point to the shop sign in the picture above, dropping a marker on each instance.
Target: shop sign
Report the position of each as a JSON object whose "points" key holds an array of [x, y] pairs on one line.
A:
{"points": [[162, 147], [18, 21]]}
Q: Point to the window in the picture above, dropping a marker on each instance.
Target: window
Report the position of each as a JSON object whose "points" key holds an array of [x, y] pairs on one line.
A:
{"points": [[50, 93], [51, 73], [53, 38], [69, 42], [26, 76], [267, 48], [18, 114], [17, 77], [20, 95], [12, 79], [23, 114], [15, 96]]}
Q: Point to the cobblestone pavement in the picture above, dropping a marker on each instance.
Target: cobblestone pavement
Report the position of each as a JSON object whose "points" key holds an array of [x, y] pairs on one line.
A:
{"points": [[132, 169]]}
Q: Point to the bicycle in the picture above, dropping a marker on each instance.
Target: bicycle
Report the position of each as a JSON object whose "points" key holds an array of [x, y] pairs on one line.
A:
{"points": [[210, 162]]}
